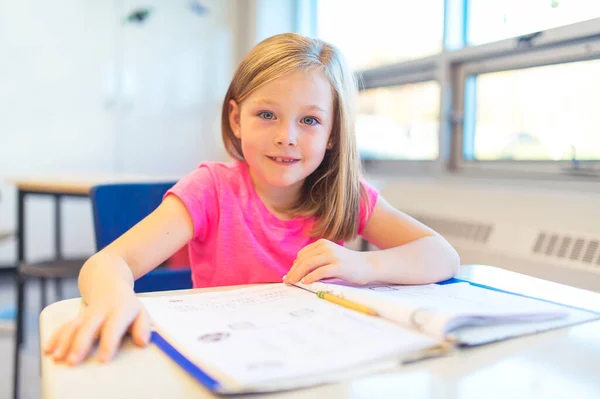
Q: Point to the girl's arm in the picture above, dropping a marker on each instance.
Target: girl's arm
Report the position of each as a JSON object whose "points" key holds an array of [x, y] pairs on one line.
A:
{"points": [[106, 284], [138, 251], [411, 253]]}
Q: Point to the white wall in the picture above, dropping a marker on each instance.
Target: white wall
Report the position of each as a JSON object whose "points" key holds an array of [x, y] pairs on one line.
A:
{"points": [[82, 92], [517, 211]]}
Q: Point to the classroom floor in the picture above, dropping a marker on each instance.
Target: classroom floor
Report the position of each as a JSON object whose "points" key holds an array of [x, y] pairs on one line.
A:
{"points": [[30, 362]]}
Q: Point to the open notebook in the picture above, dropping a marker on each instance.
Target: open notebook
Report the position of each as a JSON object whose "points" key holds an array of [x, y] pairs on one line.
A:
{"points": [[276, 337]]}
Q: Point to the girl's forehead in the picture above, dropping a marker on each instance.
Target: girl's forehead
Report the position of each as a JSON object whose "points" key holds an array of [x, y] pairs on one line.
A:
{"points": [[310, 89]]}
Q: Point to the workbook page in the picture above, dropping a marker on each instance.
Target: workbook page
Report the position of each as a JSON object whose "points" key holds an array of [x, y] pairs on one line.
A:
{"points": [[439, 309], [270, 332]]}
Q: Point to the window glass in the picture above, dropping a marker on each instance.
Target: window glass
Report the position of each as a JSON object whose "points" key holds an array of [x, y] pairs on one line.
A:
{"points": [[381, 32], [399, 122], [541, 113], [489, 21]]}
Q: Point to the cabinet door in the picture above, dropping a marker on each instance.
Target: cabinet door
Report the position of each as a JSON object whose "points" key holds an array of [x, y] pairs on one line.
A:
{"points": [[176, 68]]}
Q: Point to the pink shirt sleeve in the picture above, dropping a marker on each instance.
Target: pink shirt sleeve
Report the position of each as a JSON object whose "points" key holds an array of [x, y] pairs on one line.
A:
{"points": [[198, 192], [367, 205]]}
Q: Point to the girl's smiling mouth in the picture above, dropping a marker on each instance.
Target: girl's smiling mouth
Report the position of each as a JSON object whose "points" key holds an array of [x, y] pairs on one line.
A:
{"points": [[283, 160]]}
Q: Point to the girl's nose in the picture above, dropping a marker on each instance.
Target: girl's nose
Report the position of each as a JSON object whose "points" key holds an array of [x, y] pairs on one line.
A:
{"points": [[287, 137]]}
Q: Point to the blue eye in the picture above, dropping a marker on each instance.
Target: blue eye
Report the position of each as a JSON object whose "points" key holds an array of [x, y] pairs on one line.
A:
{"points": [[309, 120], [266, 115]]}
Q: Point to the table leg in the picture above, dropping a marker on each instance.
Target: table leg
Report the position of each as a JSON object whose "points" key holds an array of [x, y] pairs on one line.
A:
{"points": [[19, 335], [57, 227], [43, 293], [20, 259], [58, 289], [20, 291], [57, 242]]}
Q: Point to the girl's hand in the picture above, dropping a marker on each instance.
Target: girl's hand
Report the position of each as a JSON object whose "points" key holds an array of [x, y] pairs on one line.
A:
{"points": [[324, 259], [108, 321]]}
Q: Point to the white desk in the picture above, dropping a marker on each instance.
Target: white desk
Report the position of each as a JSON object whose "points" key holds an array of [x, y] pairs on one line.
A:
{"points": [[56, 187], [562, 363]]}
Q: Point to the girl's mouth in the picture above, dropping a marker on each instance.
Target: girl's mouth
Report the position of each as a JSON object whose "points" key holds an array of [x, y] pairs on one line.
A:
{"points": [[284, 160]]}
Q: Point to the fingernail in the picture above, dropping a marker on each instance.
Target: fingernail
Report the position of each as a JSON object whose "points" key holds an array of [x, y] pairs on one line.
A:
{"points": [[72, 358], [283, 278], [56, 353], [303, 281]]}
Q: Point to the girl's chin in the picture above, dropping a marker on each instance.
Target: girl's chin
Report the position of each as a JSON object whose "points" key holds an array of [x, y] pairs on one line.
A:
{"points": [[283, 180], [283, 183], [280, 177]]}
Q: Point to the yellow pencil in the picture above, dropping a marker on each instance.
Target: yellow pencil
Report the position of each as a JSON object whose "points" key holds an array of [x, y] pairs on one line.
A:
{"points": [[346, 303]]}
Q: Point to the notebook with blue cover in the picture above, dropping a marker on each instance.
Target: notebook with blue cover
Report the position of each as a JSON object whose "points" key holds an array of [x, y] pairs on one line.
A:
{"points": [[275, 337]]}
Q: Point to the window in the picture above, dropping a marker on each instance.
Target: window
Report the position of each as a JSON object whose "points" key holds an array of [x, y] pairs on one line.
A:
{"points": [[380, 32], [524, 107], [490, 21], [541, 113], [399, 122]]}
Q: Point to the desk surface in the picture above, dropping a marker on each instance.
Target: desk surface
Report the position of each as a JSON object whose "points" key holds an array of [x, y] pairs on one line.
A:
{"points": [[78, 184], [562, 363]]}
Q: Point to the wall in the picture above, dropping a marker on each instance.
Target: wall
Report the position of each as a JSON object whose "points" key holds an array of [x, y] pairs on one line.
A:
{"points": [[82, 92], [85, 93], [510, 223]]}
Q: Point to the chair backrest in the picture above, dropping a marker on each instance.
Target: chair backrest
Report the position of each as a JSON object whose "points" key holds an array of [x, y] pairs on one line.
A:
{"points": [[117, 208]]}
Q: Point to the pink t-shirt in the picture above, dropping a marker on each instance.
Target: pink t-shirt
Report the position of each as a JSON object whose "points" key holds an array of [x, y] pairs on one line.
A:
{"points": [[237, 240]]}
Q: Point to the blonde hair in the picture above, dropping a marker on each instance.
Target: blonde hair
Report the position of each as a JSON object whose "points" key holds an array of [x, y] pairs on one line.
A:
{"points": [[332, 193]]}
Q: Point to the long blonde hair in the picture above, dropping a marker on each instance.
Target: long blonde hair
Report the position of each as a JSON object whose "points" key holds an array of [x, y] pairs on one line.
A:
{"points": [[332, 193]]}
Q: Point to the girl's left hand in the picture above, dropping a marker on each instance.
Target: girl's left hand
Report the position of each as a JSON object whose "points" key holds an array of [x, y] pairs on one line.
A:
{"points": [[325, 259]]}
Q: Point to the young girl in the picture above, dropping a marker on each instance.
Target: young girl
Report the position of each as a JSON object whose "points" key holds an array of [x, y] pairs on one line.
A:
{"points": [[281, 211]]}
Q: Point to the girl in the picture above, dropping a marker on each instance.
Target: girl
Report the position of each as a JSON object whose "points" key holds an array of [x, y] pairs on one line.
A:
{"points": [[282, 210]]}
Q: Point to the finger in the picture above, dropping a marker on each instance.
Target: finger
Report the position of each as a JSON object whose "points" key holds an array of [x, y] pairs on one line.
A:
{"points": [[309, 254], [314, 252], [318, 246], [85, 337], [140, 329], [308, 265], [326, 271], [112, 333], [65, 338], [62, 338], [52, 342]]}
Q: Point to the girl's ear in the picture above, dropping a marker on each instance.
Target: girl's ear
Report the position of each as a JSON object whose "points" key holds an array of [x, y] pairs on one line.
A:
{"points": [[234, 118]]}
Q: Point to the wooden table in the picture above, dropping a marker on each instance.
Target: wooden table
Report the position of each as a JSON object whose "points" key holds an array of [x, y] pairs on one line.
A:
{"points": [[58, 187], [562, 363]]}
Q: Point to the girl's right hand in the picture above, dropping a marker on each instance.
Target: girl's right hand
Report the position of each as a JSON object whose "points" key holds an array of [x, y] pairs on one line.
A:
{"points": [[108, 321]]}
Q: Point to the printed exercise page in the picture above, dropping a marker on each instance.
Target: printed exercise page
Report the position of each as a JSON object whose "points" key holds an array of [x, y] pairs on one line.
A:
{"points": [[273, 332], [437, 309]]}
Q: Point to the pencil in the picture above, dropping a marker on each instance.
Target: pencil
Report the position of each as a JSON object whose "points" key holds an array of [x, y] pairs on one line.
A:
{"points": [[346, 303]]}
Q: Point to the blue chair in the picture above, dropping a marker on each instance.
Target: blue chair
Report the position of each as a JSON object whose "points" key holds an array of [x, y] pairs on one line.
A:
{"points": [[117, 208]]}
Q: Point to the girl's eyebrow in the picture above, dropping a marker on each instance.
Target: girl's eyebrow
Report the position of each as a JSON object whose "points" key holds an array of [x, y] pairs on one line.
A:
{"points": [[316, 108], [311, 107]]}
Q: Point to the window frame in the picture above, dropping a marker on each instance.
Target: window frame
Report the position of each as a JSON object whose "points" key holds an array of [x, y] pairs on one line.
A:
{"points": [[409, 72], [579, 41], [556, 46]]}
